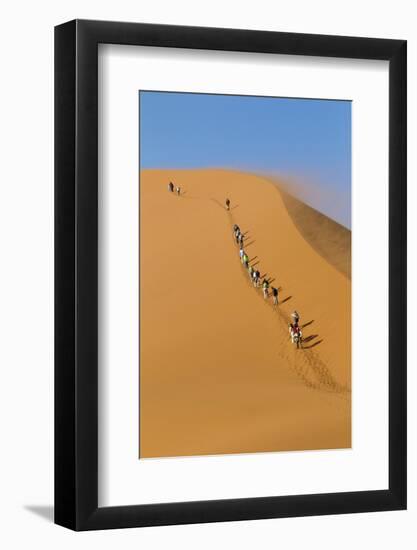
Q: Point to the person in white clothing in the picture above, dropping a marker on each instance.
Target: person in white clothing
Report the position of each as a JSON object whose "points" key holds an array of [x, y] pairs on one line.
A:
{"points": [[295, 316]]}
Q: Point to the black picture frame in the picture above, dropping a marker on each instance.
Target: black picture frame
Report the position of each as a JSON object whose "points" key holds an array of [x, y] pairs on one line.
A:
{"points": [[76, 272]]}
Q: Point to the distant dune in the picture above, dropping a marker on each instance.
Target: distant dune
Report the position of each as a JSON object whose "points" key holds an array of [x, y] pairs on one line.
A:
{"points": [[218, 373]]}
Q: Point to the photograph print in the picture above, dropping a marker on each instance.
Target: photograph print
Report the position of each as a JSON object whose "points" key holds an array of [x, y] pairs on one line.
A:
{"points": [[244, 274]]}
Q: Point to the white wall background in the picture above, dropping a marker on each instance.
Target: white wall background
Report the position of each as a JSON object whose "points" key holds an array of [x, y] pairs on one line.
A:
{"points": [[26, 274]]}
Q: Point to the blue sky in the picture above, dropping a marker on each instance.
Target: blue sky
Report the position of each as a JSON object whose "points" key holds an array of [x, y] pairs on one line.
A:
{"points": [[304, 140]]}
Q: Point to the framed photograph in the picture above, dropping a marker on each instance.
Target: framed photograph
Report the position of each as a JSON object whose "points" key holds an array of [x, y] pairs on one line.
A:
{"points": [[230, 275]]}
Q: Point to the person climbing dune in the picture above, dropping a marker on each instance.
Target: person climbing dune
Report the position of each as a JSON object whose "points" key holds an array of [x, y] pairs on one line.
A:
{"points": [[227, 204], [170, 187], [295, 316], [275, 295], [245, 260], [265, 286], [240, 240], [296, 335]]}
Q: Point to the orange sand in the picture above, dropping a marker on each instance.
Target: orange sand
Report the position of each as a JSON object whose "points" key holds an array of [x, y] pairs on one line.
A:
{"points": [[218, 373]]}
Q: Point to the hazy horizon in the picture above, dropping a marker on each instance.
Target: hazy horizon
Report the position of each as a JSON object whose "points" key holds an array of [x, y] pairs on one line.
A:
{"points": [[304, 142]]}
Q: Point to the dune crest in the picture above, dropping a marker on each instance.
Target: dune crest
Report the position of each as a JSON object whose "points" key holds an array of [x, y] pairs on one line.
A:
{"points": [[218, 373]]}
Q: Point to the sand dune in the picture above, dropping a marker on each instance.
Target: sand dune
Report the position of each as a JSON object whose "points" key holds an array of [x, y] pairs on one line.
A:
{"points": [[330, 239], [218, 373]]}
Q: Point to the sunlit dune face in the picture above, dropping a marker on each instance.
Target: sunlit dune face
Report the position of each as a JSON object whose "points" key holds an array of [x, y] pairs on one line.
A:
{"points": [[218, 371]]}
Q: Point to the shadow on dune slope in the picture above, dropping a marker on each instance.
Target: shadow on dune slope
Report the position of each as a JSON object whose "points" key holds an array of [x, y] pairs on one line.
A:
{"points": [[328, 238]]}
